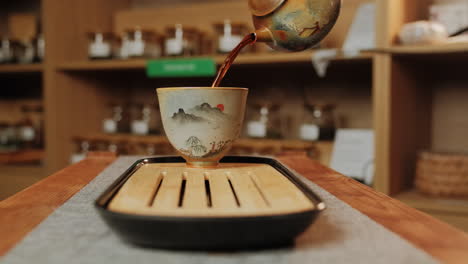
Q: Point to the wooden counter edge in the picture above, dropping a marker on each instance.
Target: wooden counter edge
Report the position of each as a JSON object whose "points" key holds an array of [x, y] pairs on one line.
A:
{"points": [[23, 211], [442, 241]]}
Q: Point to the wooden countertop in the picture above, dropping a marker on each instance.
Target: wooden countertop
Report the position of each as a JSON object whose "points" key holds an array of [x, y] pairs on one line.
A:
{"points": [[23, 211]]}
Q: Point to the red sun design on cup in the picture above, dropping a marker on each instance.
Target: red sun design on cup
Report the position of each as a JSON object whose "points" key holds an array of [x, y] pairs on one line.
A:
{"points": [[220, 107]]}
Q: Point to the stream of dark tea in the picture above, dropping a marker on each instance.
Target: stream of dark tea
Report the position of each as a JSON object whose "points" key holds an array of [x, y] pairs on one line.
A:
{"points": [[249, 39]]}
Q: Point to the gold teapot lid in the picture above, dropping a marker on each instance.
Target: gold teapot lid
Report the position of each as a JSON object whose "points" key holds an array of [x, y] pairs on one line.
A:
{"points": [[264, 7]]}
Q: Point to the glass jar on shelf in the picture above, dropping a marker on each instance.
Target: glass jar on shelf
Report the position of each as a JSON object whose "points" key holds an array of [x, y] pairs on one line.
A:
{"points": [[229, 35], [39, 47], [82, 148], [141, 117], [182, 41], [24, 51], [100, 45], [115, 122], [319, 122], [6, 50], [120, 47], [143, 43], [264, 121], [27, 131]]}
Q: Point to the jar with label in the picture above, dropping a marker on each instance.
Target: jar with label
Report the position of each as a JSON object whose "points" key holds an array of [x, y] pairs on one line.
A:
{"points": [[120, 49], [24, 51], [182, 41], [143, 44], [112, 124], [100, 45], [141, 116], [81, 149], [6, 51], [319, 122], [26, 130], [39, 48], [264, 121], [229, 35]]}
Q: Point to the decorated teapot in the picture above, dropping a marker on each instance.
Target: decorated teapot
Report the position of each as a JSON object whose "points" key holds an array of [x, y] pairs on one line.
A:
{"points": [[293, 25]]}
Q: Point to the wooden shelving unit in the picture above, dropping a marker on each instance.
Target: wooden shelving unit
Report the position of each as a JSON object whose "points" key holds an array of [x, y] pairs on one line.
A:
{"points": [[247, 59], [21, 68], [394, 91], [22, 156]]}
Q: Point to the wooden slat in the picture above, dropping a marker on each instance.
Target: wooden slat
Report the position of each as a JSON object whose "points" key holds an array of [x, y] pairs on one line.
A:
{"points": [[138, 190], [195, 195], [249, 196], [167, 197], [250, 199], [279, 191], [222, 196]]}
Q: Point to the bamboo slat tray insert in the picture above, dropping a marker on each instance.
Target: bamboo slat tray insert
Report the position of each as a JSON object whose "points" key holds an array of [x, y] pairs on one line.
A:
{"points": [[230, 190]]}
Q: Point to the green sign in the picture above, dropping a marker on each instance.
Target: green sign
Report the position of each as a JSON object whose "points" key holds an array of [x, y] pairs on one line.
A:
{"points": [[196, 67]]}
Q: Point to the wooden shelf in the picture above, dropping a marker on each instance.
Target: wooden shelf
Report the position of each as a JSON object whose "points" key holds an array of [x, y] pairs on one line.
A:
{"points": [[244, 59], [321, 150], [241, 142], [437, 204], [435, 49], [21, 68], [22, 156]]}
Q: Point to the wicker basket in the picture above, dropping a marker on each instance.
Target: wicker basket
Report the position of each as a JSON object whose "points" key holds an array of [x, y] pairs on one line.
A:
{"points": [[442, 174]]}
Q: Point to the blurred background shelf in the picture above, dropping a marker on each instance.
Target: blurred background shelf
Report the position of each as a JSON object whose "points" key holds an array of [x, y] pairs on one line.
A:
{"points": [[243, 59], [424, 202], [139, 145], [22, 156], [451, 210], [447, 48], [21, 68]]}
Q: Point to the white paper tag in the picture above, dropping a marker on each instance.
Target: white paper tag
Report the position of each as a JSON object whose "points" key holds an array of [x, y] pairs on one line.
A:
{"points": [[174, 46], [140, 127], [353, 153], [321, 59], [256, 129], [309, 132], [361, 34], [228, 43], [109, 126]]}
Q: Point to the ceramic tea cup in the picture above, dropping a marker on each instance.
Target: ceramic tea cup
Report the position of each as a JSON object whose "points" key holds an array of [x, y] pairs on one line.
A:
{"points": [[201, 123]]}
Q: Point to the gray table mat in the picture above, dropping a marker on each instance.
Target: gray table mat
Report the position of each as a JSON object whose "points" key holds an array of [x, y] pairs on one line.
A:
{"points": [[75, 233]]}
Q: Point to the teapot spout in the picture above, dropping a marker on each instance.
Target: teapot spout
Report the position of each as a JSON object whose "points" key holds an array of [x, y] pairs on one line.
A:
{"points": [[264, 35]]}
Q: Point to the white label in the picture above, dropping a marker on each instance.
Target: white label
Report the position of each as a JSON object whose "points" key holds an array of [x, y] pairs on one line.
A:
{"points": [[99, 50], [309, 132], [77, 157], [140, 127], [256, 129], [174, 46], [353, 153], [109, 126], [27, 133], [228, 43]]}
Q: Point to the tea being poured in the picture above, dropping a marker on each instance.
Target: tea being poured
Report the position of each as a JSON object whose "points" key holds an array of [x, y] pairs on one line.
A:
{"points": [[291, 25], [249, 39]]}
